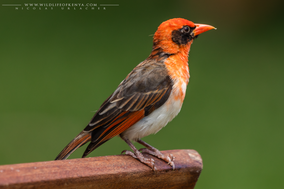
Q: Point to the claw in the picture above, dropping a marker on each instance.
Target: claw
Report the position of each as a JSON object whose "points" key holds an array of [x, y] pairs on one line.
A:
{"points": [[171, 163], [148, 161], [127, 152], [153, 151]]}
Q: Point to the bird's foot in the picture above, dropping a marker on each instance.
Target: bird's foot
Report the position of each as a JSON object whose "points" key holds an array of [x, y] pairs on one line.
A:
{"points": [[138, 155], [155, 152]]}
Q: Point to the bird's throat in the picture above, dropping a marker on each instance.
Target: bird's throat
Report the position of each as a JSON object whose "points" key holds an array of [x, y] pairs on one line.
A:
{"points": [[177, 66]]}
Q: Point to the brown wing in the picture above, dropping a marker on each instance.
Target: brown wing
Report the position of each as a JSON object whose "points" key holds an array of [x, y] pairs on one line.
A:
{"points": [[145, 89]]}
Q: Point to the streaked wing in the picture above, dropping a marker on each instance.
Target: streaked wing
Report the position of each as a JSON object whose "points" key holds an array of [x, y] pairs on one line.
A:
{"points": [[145, 89]]}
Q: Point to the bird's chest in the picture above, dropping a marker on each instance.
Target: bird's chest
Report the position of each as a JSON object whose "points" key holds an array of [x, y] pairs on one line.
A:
{"points": [[159, 118]]}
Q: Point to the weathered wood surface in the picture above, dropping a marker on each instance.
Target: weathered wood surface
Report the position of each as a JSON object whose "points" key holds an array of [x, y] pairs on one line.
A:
{"points": [[120, 171]]}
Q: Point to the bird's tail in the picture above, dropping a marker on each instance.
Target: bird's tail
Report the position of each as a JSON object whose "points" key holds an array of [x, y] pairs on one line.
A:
{"points": [[77, 142]]}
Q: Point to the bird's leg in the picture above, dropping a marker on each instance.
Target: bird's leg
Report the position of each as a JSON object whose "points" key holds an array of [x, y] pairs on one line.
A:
{"points": [[155, 152], [138, 155]]}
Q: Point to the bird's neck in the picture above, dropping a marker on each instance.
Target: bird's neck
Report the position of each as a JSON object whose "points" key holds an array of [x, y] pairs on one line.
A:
{"points": [[176, 61], [177, 66]]}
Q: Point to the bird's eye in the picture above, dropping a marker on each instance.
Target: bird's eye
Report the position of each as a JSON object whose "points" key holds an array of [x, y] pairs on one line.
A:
{"points": [[186, 29]]}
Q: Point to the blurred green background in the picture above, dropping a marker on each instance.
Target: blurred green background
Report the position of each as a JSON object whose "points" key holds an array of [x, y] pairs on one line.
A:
{"points": [[58, 66]]}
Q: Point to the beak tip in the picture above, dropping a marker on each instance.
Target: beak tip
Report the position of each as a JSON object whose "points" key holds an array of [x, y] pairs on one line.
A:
{"points": [[201, 28]]}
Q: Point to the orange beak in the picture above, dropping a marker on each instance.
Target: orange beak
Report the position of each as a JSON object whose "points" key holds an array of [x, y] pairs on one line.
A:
{"points": [[200, 28]]}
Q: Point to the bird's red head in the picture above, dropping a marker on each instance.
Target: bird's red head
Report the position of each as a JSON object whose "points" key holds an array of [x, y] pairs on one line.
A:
{"points": [[176, 35]]}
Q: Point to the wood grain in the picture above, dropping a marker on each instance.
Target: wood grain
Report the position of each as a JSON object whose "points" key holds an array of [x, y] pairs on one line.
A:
{"points": [[120, 171]]}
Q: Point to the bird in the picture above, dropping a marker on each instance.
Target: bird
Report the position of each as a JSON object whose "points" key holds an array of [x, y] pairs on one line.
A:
{"points": [[148, 98]]}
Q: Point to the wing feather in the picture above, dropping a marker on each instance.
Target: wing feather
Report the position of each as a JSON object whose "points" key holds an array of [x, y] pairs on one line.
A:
{"points": [[145, 89]]}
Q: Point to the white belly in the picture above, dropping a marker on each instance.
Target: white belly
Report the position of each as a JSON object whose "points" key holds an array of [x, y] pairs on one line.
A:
{"points": [[154, 122]]}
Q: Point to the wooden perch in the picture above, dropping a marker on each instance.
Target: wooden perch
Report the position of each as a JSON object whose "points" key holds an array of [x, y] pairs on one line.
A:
{"points": [[120, 171]]}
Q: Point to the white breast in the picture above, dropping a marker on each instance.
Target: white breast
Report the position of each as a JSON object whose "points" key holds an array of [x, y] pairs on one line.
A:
{"points": [[159, 118]]}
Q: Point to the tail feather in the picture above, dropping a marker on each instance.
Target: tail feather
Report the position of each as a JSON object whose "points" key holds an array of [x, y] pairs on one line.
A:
{"points": [[77, 142], [92, 146]]}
